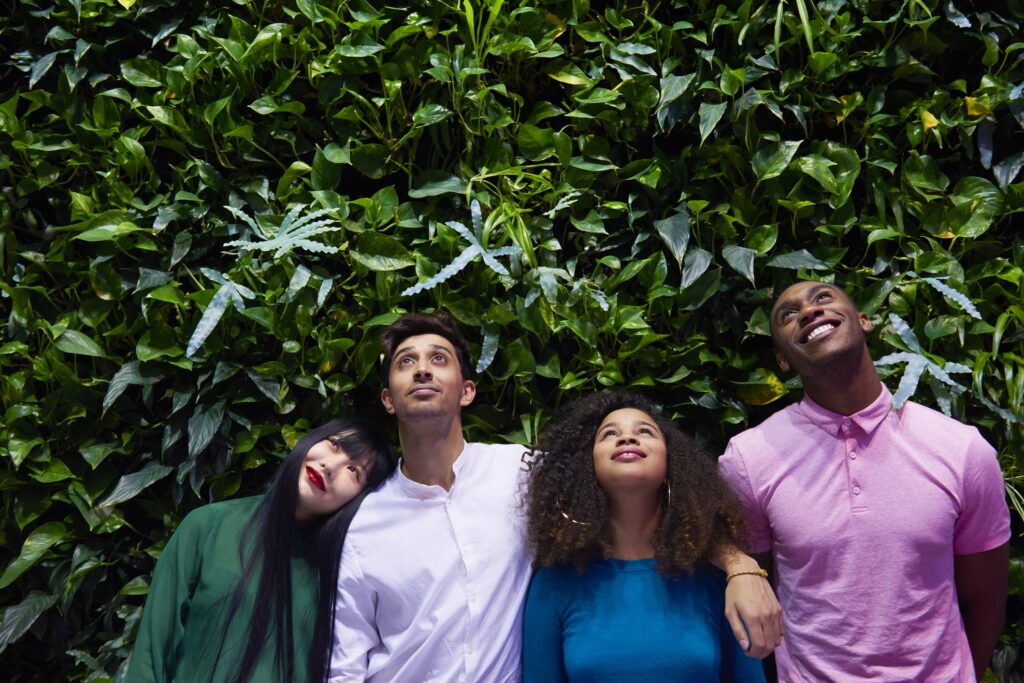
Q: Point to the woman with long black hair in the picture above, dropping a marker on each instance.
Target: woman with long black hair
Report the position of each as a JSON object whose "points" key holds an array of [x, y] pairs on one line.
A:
{"points": [[244, 589]]}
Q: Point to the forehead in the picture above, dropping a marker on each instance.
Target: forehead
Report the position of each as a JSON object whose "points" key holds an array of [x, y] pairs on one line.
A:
{"points": [[627, 416], [802, 290], [424, 342]]}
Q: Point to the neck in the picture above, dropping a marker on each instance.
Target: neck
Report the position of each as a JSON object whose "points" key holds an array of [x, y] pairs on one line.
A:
{"points": [[634, 519], [429, 449], [848, 390]]}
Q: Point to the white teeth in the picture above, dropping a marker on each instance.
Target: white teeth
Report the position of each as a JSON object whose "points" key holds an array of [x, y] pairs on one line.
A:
{"points": [[818, 331]]}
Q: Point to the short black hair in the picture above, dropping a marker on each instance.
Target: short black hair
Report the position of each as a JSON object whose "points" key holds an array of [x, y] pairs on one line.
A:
{"points": [[441, 323]]}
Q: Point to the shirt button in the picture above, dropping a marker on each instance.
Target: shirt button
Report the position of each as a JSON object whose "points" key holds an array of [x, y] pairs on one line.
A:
{"points": [[846, 423], [853, 455], [856, 490], [469, 649], [472, 597]]}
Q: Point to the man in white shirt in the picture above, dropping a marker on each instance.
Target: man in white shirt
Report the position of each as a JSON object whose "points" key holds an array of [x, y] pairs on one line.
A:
{"points": [[435, 567]]}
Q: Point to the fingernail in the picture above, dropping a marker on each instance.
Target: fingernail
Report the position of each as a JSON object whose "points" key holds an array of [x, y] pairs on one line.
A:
{"points": [[745, 645]]}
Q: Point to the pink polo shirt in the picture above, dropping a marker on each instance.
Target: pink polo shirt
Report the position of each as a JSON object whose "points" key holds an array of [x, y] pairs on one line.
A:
{"points": [[863, 515]]}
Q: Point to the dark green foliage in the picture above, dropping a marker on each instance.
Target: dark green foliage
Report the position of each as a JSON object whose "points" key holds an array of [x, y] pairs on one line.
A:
{"points": [[209, 211]]}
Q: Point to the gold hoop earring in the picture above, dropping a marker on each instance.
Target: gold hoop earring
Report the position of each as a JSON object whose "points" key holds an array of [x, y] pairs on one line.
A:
{"points": [[668, 494]]}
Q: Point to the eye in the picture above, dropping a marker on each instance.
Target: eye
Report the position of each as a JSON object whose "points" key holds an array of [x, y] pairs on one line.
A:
{"points": [[823, 297], [439, 358], [645, 430], [606, 433], [404, 361]]}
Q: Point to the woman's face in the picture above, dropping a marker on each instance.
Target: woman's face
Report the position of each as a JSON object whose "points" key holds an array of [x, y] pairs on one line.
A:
{"points": [[629, 452], [328, 480]]}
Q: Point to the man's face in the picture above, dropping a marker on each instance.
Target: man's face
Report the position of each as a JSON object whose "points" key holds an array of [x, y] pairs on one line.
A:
{"points": [[815, 326], [425, 380]]}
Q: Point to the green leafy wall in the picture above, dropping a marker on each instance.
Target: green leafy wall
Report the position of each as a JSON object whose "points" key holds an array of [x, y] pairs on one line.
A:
{"points": [[210, 210]]}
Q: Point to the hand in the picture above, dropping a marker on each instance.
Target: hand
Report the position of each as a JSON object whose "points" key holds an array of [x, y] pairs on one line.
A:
{"points": [[751, 608]]}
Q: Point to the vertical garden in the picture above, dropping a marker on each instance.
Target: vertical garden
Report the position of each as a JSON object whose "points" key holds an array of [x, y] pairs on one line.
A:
{"points": [[208, 211]]}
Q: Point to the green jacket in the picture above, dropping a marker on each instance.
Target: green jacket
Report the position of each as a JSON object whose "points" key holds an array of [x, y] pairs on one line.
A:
{"points": [[189, 598]]}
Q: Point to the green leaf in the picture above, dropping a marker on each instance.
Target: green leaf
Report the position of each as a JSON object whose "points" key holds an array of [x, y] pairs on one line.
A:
{"points": [[131, 373], [202, 427], [18, 619], [796, 260], [107, 233], [675, 232], [429, 114], [36, 544], [131, 485], [922, 173], [771, 160], [381, 252], [73, 341], [710, 115], [211, 316], [536, 143], [741, 259], [40, 67], [434, 183]]}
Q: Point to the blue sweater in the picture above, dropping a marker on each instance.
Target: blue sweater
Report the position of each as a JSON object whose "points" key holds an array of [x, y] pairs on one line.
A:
{"points": [[623, 621]]}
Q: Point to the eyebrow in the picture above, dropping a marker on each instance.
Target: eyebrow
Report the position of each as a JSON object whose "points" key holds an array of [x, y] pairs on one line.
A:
{"points": [[436, 347], [792, 302], [644, 423]]}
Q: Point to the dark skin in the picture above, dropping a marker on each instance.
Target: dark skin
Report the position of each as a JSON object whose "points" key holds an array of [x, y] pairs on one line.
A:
{"points": [[820, 334]]}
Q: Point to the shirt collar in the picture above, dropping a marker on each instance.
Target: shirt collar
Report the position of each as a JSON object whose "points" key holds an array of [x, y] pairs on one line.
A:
{"points": [[867, 420], [414, 489]]}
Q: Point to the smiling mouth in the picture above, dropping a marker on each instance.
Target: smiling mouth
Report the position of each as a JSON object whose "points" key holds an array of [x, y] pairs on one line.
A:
{"points": [[315, 479], [629, 454], [819, 331]]}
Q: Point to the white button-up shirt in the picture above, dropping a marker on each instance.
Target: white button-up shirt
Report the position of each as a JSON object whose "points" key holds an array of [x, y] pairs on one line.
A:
{"points": [[432, 582]]}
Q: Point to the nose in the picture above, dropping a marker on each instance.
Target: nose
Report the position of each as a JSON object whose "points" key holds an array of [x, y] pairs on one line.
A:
{"points": [[810, 311], [626, 439], [422, 371]]}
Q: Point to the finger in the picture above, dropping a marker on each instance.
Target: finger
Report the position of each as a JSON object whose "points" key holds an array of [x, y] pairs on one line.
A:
{"points": [[739, 631], [760, 645]]}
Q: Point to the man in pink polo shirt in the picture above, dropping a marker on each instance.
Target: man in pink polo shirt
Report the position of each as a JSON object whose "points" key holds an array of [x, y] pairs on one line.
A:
{"points": [[887, 528]]}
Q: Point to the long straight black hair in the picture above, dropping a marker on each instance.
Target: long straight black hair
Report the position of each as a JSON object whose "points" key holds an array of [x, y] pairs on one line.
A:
{"points": [[267, 557]]}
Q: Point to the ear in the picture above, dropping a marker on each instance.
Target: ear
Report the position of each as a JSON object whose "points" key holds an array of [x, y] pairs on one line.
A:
{"points": [[468, 392], [385, 398], [865, 323], [783, 363]]}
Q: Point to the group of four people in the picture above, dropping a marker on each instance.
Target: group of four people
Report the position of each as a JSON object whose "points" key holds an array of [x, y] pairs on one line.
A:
{"points": [[887, 530]]}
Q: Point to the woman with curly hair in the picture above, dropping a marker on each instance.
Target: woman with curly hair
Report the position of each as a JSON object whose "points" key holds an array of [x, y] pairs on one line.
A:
{"points": [[624, 511]]}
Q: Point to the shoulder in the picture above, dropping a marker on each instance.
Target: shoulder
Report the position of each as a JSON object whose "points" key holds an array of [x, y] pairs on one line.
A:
{"points": [[496, 450], [219, 514], [944, 433], [781, 425], [555, 580]]}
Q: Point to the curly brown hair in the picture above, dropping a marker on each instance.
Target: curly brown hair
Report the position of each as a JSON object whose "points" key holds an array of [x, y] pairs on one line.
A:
{"points": [[569, 521]]}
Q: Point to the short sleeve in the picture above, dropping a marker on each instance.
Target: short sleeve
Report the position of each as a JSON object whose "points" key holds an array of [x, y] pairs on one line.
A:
{"points": [[734, 470], [984, 521], [543, 658]]}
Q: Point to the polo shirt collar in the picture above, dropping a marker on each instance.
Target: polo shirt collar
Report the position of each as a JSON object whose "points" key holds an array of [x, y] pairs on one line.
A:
{"points": [[867, 420]]}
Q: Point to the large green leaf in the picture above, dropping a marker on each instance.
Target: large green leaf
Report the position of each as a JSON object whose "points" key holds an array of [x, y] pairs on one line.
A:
{"points": [[771, 160], [18, 619], [131, 485], [36, 544]]}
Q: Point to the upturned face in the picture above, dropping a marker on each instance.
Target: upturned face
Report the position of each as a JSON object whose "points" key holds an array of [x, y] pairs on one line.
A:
{"points": [[814, 325], [329, 479], [629, 452], [425, 380]]}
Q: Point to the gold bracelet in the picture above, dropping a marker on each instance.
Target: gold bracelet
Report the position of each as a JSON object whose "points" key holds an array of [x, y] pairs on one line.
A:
{"points": [[753, 572]]}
